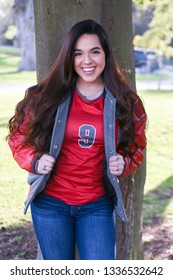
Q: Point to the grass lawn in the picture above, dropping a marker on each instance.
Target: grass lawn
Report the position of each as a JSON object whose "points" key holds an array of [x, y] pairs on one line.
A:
{"points": [[13, 187], [151, 76], [158, 200], [9, 60]]}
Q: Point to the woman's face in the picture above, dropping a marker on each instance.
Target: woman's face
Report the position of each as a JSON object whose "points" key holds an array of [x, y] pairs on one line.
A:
{"points": [[89, 58]]}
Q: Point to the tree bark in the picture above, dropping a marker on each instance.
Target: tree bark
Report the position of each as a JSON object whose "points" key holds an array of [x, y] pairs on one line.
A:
{"points": [[25, 36], [117, 20], [52, 21]]}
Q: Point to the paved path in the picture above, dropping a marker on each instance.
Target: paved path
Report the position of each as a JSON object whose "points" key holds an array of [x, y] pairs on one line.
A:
{"points": [[160, 84], [166, 84], [10, 86], [154, 85]]}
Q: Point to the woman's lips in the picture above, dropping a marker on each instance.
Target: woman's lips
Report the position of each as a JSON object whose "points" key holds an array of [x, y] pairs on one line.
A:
{"points": [[88, 69]]}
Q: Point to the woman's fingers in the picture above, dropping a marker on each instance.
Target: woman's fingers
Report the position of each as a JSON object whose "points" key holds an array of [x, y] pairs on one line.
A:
{"points": [[45, 164], [116, 165]]}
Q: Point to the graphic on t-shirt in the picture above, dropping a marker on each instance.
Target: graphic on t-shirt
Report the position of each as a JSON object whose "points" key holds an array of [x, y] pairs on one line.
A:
{"points": [[87, 135]]}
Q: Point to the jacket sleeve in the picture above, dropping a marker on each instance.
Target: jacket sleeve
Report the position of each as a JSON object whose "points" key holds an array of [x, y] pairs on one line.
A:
{"points": [[131, 165], [23, 154]]}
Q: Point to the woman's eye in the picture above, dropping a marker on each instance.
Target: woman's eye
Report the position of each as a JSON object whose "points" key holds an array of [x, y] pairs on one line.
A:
{"points": [[77, 53], [95, 52]]}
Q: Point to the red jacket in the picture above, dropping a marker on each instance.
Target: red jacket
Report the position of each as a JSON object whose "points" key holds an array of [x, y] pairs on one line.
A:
{"points": [[25, 157]]}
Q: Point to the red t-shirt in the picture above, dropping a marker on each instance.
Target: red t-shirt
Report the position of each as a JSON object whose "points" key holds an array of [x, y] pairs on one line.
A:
{"points": [[78, 178]]}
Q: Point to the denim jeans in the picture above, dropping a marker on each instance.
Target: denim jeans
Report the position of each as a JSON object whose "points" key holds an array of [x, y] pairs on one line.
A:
{"points": [[59, 226]]}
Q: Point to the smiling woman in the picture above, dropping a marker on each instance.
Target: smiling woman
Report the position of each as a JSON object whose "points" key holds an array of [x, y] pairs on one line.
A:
{"points": [[77, 132], [89, 63]]}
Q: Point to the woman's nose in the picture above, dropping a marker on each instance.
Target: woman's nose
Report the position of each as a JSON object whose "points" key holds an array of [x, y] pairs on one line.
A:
{"points": [[87, 59]]}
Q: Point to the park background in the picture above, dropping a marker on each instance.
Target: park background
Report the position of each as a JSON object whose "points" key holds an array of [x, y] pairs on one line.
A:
{"points": [[154, 82]]}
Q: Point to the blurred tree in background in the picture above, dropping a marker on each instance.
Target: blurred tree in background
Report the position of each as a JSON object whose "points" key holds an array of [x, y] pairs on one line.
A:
{"points": [[159, 36], [25, 36], [17, 30], [6, 19]]}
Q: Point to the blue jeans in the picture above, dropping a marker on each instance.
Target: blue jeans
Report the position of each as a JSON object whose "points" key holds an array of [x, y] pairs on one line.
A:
{"points": [[59, 226]]}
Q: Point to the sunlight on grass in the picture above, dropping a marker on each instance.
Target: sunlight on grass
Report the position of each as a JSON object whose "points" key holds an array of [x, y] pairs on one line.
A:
{"points": [[159, 181], [160, 135], [8, 71], [13, 186], [151, 76]]}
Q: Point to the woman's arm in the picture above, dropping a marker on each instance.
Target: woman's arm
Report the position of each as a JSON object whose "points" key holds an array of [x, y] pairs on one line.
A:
{"points": [[23, 155], [139, 117]]}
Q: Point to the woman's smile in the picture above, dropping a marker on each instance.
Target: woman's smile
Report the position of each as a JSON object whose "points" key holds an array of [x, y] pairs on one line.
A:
{"points": [[88, 70]]}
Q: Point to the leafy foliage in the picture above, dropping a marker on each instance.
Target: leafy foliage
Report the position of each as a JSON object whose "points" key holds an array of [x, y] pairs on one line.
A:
{"points": [[160, 33], [144, 2]]}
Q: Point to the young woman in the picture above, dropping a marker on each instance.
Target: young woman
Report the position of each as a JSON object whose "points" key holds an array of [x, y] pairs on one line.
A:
{"points": [[77, 132]]}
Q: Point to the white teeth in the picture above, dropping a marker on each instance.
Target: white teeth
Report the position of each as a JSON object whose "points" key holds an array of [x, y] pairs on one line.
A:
{"points": [[88, 69]]}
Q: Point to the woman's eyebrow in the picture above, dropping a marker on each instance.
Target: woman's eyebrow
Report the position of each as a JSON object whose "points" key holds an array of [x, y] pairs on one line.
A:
{"points": [[95, 48]]}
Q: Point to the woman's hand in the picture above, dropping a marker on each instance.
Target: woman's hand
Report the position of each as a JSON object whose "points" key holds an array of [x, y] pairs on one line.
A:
{"points": [[45, 164], [116, 165]]}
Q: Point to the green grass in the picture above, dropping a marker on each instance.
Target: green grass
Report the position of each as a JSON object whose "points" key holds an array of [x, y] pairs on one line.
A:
{"points": [[9, 50], [158, 200], [151, 76], [9, 61], [13, 186]]}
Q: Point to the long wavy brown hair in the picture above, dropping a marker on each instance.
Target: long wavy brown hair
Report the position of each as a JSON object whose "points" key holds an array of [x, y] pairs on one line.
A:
{"points": [[40, 102]]}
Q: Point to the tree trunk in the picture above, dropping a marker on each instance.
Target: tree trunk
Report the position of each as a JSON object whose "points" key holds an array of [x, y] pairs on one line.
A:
{"points": [[117, 20], [52, 21], [25, 36]]}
